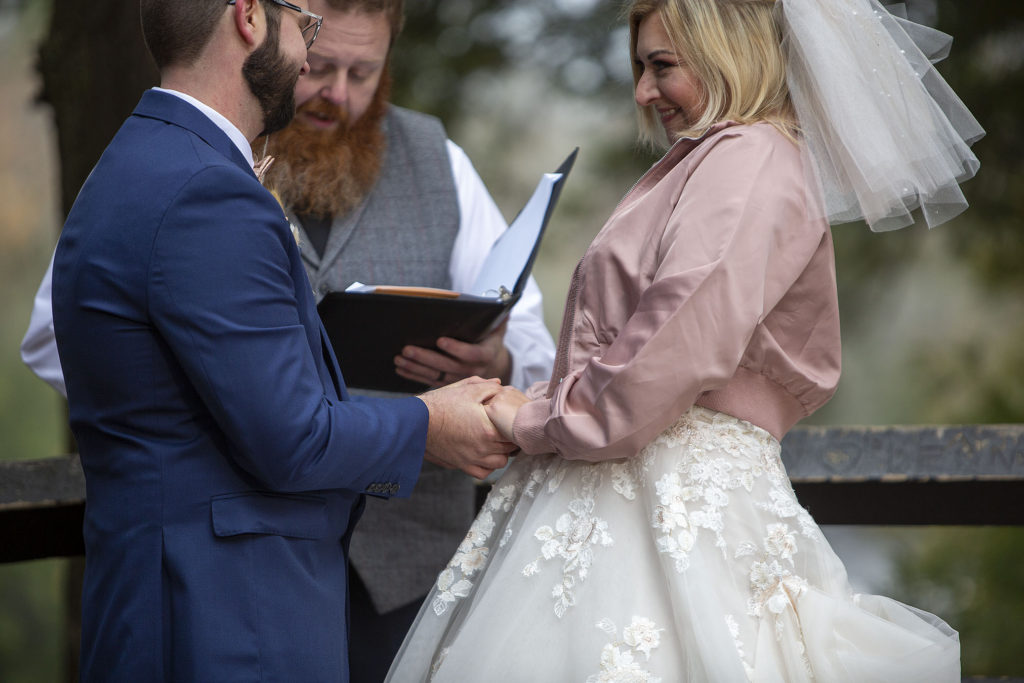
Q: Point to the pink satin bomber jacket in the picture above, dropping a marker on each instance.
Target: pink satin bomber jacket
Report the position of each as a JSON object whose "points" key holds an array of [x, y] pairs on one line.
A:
{"points": [[712, 283]]}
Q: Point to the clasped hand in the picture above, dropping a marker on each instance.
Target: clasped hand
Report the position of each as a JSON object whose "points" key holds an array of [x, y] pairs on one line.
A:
{"points": [[471, 425]]}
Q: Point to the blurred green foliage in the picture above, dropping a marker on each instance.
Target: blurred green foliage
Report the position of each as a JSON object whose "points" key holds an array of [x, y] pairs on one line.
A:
{"points": [[974, 578], [30, 621], [31, 414]]}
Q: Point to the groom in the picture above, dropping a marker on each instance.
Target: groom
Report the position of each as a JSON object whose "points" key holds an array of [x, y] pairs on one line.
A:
{"points": [[225, 464]]}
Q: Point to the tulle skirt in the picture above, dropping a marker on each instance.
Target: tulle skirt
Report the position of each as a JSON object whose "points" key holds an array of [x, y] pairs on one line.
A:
{"points": [[691, 562]]}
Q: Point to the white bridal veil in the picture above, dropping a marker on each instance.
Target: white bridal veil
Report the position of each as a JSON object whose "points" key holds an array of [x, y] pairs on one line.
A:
{"points": [[884, 132]]}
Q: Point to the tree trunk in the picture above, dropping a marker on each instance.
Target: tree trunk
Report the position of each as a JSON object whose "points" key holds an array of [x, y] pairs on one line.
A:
{"points": [[94, 67]]}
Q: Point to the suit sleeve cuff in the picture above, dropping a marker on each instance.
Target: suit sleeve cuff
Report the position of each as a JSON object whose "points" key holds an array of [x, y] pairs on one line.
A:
{"points": [[399, 481]]}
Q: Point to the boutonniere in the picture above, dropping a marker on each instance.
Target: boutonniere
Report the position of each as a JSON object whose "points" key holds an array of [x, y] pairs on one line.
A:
{"points": [[261, 167]]}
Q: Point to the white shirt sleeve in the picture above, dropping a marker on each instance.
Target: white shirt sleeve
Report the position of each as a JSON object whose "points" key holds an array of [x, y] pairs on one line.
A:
{"points": [[39, 347], [527, 338]]}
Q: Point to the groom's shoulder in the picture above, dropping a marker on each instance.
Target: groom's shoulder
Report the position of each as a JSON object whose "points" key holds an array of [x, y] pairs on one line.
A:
{"points": [[154, 173], [161, 147], [158, 168]]}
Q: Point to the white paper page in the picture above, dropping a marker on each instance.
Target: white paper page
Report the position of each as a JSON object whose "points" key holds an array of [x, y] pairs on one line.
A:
{"points": [[511, 251]]}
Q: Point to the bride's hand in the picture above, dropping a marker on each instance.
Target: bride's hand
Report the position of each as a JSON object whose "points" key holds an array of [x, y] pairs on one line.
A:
{"points": [[502, 409]]}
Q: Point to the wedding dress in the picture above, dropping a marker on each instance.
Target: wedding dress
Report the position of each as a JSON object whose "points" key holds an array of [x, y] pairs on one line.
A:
{"points": [[692, 561]]}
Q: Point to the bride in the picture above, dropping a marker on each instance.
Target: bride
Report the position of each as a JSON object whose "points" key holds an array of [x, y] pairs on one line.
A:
{"points": [[648, 531]]}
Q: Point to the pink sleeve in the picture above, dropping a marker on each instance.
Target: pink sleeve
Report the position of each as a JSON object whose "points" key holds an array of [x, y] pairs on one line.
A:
{"points": [[537, 389], [736, 240]]}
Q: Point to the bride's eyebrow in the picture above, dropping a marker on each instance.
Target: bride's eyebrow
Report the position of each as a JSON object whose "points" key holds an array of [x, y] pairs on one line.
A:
{"points": [[660, 52]]}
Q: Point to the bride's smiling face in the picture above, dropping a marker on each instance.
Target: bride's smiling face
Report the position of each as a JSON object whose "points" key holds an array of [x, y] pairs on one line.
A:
{"points": [[665, 82]]}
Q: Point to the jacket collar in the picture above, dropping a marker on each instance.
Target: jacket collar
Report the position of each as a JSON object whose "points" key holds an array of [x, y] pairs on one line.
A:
{"points": [[176, 111], [675, 153]]}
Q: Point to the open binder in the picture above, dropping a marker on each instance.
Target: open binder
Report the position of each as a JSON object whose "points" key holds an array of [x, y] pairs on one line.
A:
{"points": [[369, 325]]}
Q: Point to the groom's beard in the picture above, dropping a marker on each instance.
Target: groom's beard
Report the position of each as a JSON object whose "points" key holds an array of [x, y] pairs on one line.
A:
{"points": [[329, 173], [271, 79]]}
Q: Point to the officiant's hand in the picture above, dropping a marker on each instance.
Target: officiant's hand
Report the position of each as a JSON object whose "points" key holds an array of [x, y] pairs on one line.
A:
{"points": [[460, 435], [502, 409], [489, 359]]}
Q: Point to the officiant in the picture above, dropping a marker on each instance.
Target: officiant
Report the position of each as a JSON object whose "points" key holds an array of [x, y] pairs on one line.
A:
{"points": [[380, 195]]}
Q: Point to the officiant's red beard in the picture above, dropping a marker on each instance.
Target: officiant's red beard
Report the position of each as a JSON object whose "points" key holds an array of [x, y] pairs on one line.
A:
{"points": [[328, 173]]}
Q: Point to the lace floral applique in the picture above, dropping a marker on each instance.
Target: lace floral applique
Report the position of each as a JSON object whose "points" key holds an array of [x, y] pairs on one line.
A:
{"points": [[628, 475], [449, 590], [690, 499], [536, 479], [671, 518], [623, 480], [693, 497], [501, 498], [453, 583], [734, 631], [785, 506], [555, 474], [619, 665], [572, 539], [472, 553], [774, 588], [679, 432]]}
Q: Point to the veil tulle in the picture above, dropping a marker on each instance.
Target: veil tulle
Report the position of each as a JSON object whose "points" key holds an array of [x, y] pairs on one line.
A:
{"points": [[884, 132]]}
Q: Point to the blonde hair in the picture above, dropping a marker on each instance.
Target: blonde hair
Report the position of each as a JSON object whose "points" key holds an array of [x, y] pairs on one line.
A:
{"points": [[734, 48]]}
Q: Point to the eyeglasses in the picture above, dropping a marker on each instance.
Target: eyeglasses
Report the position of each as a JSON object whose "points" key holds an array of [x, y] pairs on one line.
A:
{"points": [[310, 29]]}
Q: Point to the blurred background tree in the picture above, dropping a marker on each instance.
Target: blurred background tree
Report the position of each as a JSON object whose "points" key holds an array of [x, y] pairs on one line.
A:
{"points": [[933, 322]]}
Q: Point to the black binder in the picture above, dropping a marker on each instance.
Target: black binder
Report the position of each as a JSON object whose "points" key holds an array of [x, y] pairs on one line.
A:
{"points": [[368, 329]]}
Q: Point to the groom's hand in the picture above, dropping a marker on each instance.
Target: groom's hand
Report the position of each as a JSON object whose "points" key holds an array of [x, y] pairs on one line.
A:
{"points": [[459, 434]]}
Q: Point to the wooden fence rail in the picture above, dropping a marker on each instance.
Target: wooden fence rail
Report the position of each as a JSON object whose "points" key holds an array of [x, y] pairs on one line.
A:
{"points": [[952, 475]]}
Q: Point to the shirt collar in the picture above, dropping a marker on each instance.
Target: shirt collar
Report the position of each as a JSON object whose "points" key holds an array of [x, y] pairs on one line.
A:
{"points": [[219, 120]]}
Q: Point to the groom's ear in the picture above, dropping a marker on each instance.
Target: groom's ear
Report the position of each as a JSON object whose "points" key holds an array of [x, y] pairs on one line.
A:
{"points": [[250, 20]]}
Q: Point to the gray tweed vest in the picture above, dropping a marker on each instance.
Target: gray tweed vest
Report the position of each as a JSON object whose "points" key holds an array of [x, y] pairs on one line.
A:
{"points": [[402, 234]]}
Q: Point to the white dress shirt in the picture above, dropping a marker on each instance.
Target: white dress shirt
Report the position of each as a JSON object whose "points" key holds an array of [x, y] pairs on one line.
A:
{"points": [[527, 339]]}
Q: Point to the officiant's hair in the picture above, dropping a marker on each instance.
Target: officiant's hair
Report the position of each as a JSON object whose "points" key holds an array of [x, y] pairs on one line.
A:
{"points": [[177, 31], [394, 9], [734, 48]]}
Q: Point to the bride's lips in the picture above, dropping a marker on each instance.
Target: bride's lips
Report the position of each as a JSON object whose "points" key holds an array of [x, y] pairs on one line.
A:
{"points": [[667, 115]]}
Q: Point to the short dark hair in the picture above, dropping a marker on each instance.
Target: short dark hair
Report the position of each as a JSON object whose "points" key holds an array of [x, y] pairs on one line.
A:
{"points": [[177, 31], [394, 9]]}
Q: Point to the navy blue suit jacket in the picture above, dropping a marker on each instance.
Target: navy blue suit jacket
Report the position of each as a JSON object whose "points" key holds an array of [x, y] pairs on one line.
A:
{"points": [[224, 462]]}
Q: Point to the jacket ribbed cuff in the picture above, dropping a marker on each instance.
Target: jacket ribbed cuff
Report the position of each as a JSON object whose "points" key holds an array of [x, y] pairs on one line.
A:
{"points": [[528, 427]]}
